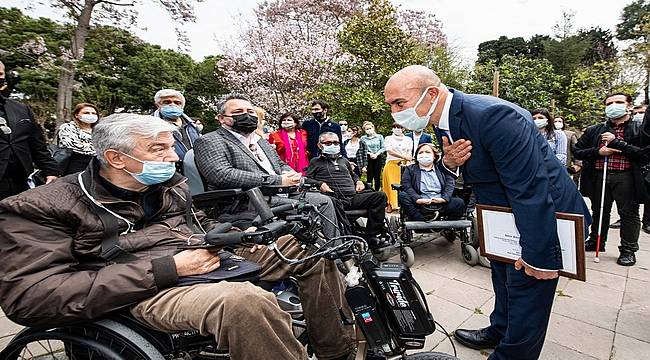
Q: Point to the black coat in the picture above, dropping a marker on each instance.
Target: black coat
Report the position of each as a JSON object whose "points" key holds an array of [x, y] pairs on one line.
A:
{"points": [[26, 139], [587, 147]]}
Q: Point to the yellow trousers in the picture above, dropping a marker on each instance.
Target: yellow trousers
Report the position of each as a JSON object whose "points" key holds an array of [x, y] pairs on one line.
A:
{"points": [[392, 175]]}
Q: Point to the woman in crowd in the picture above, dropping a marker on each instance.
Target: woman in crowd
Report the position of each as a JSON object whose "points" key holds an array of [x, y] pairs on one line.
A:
{"points": [[398, 148], [573, 165], [426, 191], [374, 154], [291, 142], [356, 150], [556, 138], [76, 135]]}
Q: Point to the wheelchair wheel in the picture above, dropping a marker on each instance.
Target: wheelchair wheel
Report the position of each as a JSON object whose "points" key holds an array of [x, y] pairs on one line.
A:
{"points": [[102, 340], [430, 355], [482, 260], [474, 232], [470, 255], [407, 256]]}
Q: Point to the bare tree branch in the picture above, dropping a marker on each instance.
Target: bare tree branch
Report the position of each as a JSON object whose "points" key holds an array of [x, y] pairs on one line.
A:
{"points": [[114, 3]]}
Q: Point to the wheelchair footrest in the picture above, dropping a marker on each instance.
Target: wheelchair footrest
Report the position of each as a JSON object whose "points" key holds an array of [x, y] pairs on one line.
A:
{"points": [[443, 224]]}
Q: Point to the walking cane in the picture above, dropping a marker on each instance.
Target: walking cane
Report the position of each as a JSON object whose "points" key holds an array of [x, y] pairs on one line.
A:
{"points": [[600, 217]]}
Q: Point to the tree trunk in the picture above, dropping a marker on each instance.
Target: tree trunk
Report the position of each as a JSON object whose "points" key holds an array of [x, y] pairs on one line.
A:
{"points": [[68, 68]]}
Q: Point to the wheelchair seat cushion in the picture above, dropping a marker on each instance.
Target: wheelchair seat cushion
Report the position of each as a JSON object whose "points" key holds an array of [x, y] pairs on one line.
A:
{"points": [[356, 213]]}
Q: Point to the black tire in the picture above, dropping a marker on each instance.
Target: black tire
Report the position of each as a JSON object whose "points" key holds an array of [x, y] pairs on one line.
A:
{"points": [[430, 355]]}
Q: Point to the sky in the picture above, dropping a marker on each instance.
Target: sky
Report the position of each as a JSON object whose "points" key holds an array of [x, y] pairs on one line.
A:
{"points": [[466, 23]]}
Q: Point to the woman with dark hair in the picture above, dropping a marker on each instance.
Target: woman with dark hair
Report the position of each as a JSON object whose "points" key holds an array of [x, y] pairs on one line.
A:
{"points": [[426, 191], [556, 138], [355, 150], [291, 142], [76, 135]]}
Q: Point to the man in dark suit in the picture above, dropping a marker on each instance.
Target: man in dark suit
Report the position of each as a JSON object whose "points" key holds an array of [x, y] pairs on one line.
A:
{"points": [[21, 145], [234, 156], [419, 137], [508, 163], [318, 124]]}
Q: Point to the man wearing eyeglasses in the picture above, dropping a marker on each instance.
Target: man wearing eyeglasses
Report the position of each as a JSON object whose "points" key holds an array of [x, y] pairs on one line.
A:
{"points": [[333, 174], [21, 145]]}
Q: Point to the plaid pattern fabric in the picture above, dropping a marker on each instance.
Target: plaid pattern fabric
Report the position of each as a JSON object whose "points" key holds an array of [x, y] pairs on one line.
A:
{"points": [[616, 162]]}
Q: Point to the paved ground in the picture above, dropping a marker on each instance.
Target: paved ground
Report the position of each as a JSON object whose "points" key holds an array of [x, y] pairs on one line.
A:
{"points": [[608, 317]]}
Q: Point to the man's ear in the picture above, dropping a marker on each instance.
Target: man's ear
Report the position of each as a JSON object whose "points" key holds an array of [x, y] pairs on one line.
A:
{"points": [[434, 92], [114, 158]]}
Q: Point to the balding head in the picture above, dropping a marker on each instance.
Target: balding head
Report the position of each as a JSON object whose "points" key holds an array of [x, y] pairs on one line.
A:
{"points": [[414, 77]]}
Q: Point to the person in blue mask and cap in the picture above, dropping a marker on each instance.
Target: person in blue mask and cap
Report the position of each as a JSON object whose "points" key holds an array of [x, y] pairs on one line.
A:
{"points": [[170, 106]]}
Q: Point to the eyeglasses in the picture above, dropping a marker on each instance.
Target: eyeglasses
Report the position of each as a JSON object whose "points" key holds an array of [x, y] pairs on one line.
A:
{"points": [[343, 123], [396, 127], [330, 142]]}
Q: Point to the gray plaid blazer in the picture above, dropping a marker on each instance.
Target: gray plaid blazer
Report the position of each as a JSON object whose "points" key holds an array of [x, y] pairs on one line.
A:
{"points": [[226, 163]]}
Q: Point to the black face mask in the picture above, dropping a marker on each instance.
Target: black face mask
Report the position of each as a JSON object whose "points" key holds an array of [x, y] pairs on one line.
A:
{"points": [[244, 123], [318, 115]]}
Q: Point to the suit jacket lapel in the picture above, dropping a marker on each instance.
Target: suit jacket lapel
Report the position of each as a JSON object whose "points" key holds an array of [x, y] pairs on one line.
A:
{"points": [[418, 178], [268, 151], [230, 137]]}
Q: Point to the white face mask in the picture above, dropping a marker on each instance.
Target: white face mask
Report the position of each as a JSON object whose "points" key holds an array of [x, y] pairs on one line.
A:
{"points": [[541, 123], [425, 159], [398, 132], [370, 132], [409, 118], [89, 118], [638, 117], [288, 125], [559, 125], [344, 128]]}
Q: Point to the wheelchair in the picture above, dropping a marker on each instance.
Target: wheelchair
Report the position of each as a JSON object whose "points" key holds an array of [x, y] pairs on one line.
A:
{"points": [[464, 229]]}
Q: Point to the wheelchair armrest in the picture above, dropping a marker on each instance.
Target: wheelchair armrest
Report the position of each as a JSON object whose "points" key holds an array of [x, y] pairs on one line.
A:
{"points": [[270, 190], [396, 187], [209, 197]]}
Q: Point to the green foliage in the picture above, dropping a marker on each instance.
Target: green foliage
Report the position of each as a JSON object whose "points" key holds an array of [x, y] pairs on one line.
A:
{"points": [[495, 50], [632, 18], [588, 88], [530, 83]]}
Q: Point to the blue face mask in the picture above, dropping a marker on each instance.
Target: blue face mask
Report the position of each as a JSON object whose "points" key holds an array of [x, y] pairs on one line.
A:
{"points": [[153, 172], [615, 111], [331, 149], [171, 111]]}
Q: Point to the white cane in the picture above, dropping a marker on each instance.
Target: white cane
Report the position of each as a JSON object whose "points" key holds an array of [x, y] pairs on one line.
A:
{"points": [[600, 216]]}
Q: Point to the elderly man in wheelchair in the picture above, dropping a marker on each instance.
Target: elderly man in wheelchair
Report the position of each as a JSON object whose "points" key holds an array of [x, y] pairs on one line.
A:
{"points": [[108, 239], [333, 175]]}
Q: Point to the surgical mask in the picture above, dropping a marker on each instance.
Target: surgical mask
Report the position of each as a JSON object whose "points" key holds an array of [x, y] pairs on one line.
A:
{"points": [[244, 123], [171, 111], [199, 127], [409, 118], [638, 117], [331, 149], [540, 123], [398, 132], [153, 172], [88, 118], [370, 132], [615, 111], [288, 125], [425, 159], [344, 128], [559, 125]]}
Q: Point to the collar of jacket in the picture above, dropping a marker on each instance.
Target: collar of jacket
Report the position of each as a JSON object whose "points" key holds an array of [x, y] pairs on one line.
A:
{"points": [[90, 178]]}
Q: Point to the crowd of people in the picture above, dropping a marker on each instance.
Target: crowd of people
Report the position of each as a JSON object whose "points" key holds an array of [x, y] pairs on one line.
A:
{"points": [[131, 167]]}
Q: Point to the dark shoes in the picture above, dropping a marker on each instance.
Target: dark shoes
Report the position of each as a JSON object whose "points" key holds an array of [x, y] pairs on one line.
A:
{"points": [[626, 259], [616, 225], [475, 339], [590, 245], [646, 228]]}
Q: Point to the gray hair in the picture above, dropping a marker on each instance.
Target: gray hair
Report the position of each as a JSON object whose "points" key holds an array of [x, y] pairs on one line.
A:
{"points": [[121, 132], [327, 134], [168, 93], [221, 106]]}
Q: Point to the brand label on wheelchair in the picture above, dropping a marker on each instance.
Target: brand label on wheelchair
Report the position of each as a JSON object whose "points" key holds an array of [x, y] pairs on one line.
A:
{"points": [[395, 295]]}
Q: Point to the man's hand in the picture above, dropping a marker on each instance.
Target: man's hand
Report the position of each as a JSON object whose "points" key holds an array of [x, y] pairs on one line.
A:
{"points": [[325, 188], [539, 275], [49, 179], [457, 153], [364, 170], [576, 168], [196, 262], [607, 137], [291, 178], [360, 186], [605, 151], [423, 201], [438, 200], [373, 156]]}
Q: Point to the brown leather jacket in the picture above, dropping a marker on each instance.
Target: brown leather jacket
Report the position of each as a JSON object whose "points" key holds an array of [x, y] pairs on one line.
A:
{"points": [[50, 245]]}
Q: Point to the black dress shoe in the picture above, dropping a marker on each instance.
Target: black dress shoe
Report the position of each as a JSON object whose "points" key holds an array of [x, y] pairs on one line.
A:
{"points": [[626, 259], [475, 339], [591, 246], [646, 228], [615, 225]]}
